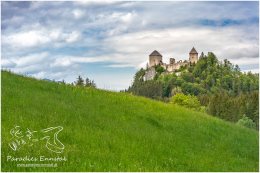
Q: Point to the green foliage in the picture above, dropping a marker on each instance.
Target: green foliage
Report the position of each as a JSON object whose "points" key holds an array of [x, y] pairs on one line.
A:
{"points": [[192, 88], [182, 69], [247, 122], [188, 101], [204, 99], [108, 131], [222, 106], [176, 90], [203, 109], [151, 89], [187, 76], [159, 69], [250, 106], [139, 76], [231, 108]]}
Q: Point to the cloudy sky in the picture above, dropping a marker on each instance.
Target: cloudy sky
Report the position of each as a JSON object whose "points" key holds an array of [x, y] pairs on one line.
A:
{"points": [[109, 41]]}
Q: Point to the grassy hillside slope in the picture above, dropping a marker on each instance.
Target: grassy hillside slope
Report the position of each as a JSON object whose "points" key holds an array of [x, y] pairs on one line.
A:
{"points": [[107, 131]]}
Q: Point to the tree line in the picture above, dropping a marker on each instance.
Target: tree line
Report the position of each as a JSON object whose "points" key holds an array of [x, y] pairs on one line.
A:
{"points": [[87, 82]]}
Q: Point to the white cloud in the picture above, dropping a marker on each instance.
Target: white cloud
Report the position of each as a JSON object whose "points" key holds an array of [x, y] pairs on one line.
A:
{"points": [[78, 13], [26, 39], [71, 60], [95, 2], [38, 37], [55, 34], [245, 61], [134, 48], [127, 18], [73, 36], [119, 65], [30, 59], [40, 75], [5, 63], [61, 62]]}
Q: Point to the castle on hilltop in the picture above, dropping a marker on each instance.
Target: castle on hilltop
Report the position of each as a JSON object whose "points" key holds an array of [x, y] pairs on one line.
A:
{"points": [[155, 58]]}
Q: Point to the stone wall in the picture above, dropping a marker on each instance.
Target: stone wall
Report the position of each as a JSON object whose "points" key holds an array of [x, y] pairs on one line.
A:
{"points": [[149, 74]]}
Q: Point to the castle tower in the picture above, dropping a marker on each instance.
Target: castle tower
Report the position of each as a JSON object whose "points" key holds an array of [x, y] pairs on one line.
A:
{"points": [[193, 56], [155, 58], [172, 60]]}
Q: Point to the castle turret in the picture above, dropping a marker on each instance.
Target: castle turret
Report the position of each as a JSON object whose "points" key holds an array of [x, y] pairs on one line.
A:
{"points": [[193, 56], [155, 58], [172, 60]]}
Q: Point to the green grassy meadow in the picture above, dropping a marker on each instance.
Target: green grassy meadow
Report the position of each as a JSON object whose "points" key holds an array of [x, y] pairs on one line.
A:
{"points": [[109, 131]]}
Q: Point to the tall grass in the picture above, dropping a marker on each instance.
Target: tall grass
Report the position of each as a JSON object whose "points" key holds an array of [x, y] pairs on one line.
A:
{"points": [[107, 131]]}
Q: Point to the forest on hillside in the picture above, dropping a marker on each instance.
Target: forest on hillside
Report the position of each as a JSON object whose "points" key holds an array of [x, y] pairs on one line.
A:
{"points": [[216, 87]]}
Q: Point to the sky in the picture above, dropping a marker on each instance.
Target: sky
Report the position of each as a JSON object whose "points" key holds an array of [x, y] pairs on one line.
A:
{"points": [[109, 41]]}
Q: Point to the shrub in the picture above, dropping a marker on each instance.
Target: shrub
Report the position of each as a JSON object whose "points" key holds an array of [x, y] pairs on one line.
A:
{"points": [[159, 69], [176, 90], [203, 109], [247, 122], [188, 101]]}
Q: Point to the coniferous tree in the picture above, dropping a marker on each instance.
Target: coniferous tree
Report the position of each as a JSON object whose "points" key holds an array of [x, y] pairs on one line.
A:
{"points": [[90, 83], [80, 81]]}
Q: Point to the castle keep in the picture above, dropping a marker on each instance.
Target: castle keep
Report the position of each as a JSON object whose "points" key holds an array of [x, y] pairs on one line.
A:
{"points": [[155, 58]]}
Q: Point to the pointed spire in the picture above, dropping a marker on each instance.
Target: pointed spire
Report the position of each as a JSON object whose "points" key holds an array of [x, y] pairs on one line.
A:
{"points": [[193, 50], [155, 53]]}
